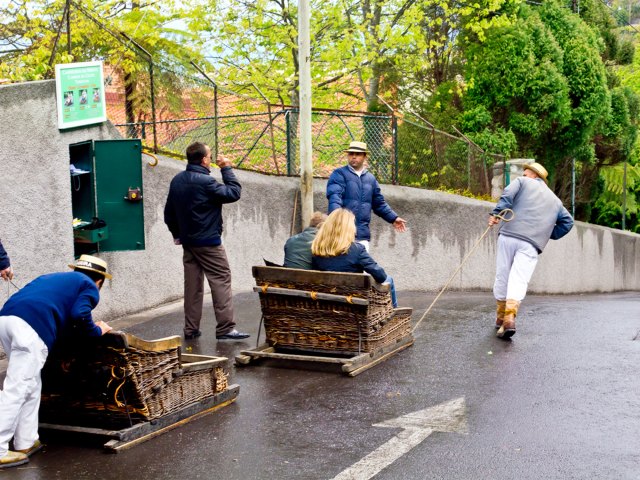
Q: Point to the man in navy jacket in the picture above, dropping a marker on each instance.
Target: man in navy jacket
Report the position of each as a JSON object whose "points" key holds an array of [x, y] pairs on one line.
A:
{"points": [[6, 272], [356, 189], [49, 307], [193, 213]]}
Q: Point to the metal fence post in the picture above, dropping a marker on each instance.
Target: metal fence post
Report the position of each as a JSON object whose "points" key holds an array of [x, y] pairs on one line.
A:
{"points": [[68, 8], [624, 197], [215, 121], [287, 121], [573, 187], [504, 171], [394, 140], [153, 107], [469, 166]]}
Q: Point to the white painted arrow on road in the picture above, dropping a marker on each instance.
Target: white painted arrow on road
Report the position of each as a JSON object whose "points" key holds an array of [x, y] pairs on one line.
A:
{"points": [[446, 417]]}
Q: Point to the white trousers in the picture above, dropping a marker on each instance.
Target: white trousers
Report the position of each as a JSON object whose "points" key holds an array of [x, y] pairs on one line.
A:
{"points": [[515, 263], [365, 243], [20, 394]]}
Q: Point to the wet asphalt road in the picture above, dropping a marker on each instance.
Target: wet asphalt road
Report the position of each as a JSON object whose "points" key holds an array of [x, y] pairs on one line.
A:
{"points": [[558, 401]]}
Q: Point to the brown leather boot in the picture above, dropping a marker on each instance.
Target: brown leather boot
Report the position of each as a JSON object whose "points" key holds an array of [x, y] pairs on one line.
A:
{"points": [[13, 459], [500, 306], [508, 328]]}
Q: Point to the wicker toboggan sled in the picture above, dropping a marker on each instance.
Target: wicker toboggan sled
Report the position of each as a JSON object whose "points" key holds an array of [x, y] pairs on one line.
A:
{"points": [[127, 390], [324, 319]]}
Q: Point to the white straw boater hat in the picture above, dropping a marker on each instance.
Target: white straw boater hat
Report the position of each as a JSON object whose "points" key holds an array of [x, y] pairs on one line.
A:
{"points": [[357, 147], [538, 169], [91, 263]]}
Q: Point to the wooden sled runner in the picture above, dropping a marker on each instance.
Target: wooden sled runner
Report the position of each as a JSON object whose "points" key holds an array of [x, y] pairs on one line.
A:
{"points": [[327, 320], [124, 390]]}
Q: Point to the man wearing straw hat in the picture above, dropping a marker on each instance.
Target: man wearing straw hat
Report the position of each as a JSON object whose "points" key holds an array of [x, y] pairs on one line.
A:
{"points": [[31, 321], [356, 189], [6, 272], [538, 215]]}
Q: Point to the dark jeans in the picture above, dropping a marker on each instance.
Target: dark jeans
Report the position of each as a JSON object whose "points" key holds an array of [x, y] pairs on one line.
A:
{"points": [[210, 262]]}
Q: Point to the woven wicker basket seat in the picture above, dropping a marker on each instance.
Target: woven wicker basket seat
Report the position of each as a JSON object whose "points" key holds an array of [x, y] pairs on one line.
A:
{"points": [[120, 377], [328, 311]]}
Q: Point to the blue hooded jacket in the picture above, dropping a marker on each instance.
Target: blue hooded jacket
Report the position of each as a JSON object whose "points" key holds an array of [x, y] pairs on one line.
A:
{"points": [[360, 194]]}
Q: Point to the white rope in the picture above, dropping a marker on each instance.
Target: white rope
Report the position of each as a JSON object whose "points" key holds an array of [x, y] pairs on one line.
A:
{"points": [[503, 215]]}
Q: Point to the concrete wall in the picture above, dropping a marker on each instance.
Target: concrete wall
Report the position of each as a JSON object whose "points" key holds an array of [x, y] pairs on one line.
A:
{"points": [[35, 224]]}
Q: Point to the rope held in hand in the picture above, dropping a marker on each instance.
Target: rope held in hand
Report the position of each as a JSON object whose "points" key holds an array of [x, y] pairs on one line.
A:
{"points": [[505, 215]]}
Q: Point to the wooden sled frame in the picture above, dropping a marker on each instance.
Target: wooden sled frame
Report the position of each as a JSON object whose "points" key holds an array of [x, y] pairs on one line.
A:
{"points": [[118, 440], [303, 307], [349, 365], [190, 378]]}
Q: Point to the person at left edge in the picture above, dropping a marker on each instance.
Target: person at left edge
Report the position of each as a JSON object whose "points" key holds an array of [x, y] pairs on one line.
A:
{"points": [[31, 321], [6, 272], [193, 213]]}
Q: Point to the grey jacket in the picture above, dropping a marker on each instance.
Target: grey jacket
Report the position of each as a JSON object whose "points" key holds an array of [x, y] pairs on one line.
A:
{"points": [[539, 214], [297, 250]]}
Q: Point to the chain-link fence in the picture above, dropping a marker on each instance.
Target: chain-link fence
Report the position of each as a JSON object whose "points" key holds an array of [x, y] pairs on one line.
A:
{"points": [[430, 158], [254, 135], [331, 133]]}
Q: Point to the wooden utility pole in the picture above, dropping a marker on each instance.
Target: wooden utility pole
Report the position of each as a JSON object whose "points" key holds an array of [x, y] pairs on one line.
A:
{"points": [[306, 163]]}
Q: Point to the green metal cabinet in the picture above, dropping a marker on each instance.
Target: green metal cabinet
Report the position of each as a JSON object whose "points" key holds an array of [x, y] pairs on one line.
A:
{"points": [[110, 190]]}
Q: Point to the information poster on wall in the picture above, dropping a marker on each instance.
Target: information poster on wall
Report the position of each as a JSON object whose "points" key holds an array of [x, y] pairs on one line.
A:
{"points": [[80, 94]]}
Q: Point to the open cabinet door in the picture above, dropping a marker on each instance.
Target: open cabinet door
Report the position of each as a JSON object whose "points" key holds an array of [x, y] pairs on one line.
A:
{"points": [[119, 195]]}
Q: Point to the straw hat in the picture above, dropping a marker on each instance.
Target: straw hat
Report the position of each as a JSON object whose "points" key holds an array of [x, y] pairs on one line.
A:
{"points": [[538, 170], [91, 263], [357, 147]]}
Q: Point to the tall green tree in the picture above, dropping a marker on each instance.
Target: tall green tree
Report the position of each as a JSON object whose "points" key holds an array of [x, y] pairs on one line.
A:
{"points": [[34, 34], [37, 35], [544, 80]]}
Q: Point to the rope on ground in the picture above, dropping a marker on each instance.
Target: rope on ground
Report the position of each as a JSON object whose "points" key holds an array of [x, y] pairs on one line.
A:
{"points": [[505, 215]]}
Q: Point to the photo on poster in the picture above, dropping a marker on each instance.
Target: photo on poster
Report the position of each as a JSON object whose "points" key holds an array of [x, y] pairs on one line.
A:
{"points": [[96, 95], [68, 98]]}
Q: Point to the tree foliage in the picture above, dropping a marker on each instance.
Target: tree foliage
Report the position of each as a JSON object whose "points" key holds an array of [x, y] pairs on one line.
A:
{"points": [[525, 79], [34, 35]]}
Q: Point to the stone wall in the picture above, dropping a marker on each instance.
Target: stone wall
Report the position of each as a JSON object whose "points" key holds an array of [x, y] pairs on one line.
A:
{"points": [[35, 224]]}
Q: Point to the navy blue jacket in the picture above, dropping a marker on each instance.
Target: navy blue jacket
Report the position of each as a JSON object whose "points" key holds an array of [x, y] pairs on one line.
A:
{"points": [[54, 303], [360, 194], [4, 258], [193, 211], [356, 260]]}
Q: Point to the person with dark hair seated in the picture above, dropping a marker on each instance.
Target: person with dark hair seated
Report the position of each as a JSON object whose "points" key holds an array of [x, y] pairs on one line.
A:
{"points": [[297, 250], [335, 250]]}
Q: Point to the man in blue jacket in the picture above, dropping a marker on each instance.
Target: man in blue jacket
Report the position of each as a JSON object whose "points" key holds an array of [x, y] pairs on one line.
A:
{"points": [[46, 309], [356, 189], [538, 217], [6, 272], [193, 213]]}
